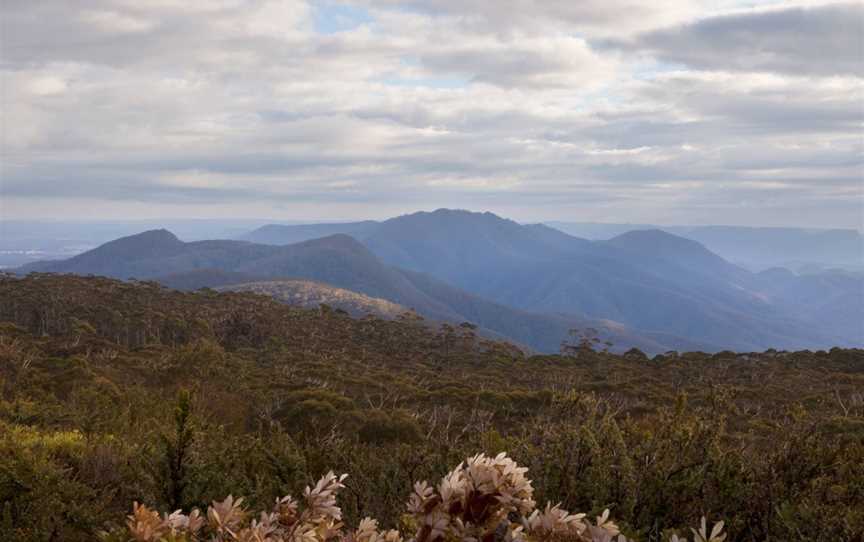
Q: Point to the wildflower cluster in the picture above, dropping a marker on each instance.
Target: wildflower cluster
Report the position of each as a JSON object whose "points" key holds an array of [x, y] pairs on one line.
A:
{"points": [[227, 521], [485, 499]]}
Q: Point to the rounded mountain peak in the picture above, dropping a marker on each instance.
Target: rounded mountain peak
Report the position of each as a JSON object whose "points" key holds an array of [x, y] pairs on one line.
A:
{"points": [[144, 244]]}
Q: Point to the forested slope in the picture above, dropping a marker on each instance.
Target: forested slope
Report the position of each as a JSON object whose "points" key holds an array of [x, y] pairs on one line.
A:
{"points": [[91, 370]]}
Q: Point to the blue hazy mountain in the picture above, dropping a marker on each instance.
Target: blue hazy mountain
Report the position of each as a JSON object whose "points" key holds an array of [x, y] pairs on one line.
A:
{"points": [[648, 280], [756, 248], [638, 274]]}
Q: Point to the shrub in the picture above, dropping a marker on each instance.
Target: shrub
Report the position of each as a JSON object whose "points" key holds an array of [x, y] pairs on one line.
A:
{"points": [[484, 499]]}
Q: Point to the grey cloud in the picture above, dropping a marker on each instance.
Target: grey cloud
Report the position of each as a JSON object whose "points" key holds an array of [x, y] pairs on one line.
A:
{"points": [[822, 40], [518, 64]]}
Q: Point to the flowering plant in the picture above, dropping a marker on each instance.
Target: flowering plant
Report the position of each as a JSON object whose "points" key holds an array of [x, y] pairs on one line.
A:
{"points": [[484, 499]]}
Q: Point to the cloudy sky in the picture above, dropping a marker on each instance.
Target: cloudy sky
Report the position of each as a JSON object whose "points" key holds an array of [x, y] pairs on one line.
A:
{"points": [[681, 111]]}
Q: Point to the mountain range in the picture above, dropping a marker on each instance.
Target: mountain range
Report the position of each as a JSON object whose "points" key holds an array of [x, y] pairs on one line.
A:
{"points": [[649, 280], [530, 283], [330, 265]]}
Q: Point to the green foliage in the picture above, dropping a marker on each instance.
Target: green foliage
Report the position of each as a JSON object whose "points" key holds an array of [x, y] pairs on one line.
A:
{"points": [[381, 427], [177, 447], [93, 416]]}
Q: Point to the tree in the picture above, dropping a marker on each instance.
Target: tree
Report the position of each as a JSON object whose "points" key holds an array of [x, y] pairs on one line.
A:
{"points": [[177, 447], [583, 342]]}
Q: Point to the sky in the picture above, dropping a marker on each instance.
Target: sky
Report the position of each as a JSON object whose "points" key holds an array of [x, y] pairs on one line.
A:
{"points": [[673, 112]]}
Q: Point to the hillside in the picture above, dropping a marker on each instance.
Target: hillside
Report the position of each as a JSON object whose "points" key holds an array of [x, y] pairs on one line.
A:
{"points": [[545, 331], [308, 294], [202, 278], [103, 383]]}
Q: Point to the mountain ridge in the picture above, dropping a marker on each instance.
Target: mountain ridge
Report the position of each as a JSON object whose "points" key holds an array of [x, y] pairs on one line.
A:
{"points": [[338, 261], [447, 263]]}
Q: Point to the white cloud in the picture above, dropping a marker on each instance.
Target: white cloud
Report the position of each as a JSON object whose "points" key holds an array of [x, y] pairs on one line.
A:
{"points": [[112, 22], [46, 85]]}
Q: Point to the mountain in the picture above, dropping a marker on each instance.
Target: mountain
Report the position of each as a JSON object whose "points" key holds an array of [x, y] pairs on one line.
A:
{"points": [[760, 247], [462, 248], [691, 265], [26, 241], [832, 299], [118, 258], [337, 261], [648, 281], [658, 245], [755, 248], [284, 234]]}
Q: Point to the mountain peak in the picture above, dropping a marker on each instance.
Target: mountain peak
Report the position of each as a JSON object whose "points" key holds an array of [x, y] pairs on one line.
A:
{"points": [[341, 241], [444, 211], [146, 243], [684, 252], [656, 241], [455, 221], [159, 235]]}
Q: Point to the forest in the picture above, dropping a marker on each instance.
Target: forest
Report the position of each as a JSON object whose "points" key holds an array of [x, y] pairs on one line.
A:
{"points": [[114, 393]]}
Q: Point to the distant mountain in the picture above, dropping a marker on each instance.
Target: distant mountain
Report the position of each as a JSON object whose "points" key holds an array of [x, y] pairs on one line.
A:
{"points": [[154, 253], [659, 245], [648, 281], [827, 299], [756, 248], [338, 260], [462, 248], [782, 246], [26, 241], [689, 262], [285, 234]]}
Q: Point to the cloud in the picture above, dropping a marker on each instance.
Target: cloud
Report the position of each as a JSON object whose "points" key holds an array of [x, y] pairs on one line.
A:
{"points": [[258, 107], [817, 40], [522, 62], [585, 17]]}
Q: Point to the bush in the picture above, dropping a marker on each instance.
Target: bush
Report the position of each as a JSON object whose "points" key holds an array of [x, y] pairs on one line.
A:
{"points": [[483, 499]]}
